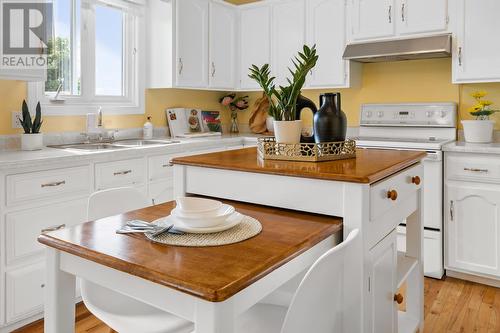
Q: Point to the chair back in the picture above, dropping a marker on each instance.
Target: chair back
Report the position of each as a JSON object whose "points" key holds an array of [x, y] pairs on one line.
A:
{"points": [[318, 302], [115, 201]]}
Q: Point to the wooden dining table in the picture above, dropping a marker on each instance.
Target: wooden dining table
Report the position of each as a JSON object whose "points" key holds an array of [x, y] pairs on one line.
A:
{"points": [[210, 286]]}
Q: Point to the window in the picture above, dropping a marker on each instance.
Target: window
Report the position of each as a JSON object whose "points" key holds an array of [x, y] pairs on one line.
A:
{"points": [[93, 59]]}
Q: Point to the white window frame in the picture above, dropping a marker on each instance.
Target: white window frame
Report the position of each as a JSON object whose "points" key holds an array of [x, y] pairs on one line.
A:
{"points": [[132, 101]]}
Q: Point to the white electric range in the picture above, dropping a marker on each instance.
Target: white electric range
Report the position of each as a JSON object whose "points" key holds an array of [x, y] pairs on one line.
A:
{"points": [[424, 127]]}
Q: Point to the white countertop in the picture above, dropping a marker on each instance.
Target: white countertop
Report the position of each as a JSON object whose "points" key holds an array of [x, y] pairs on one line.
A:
{"points": [[466, 147], [19, 159]]}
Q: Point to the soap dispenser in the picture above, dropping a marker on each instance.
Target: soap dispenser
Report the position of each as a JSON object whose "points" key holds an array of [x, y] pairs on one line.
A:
{"points": [[147, 129]]}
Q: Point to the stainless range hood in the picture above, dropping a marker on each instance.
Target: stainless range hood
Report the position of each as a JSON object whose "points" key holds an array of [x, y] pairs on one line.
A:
{"points": [[400, 49]]}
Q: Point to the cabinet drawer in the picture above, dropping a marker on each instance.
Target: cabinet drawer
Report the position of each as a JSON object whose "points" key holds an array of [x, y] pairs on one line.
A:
{"points": [[388, 193], [47, 184], [120, 173], [473, 167], [24, 291], [161, 192], [160, 167], [23, 227]]}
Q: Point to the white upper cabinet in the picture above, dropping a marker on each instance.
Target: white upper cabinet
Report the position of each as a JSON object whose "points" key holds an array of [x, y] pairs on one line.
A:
{"points": [[192, 43], [326, 28], [473, 227], [379, 19], [288, 36], [222, 48], [422, 16], [476, 57], [255, 41], [373, 19]]}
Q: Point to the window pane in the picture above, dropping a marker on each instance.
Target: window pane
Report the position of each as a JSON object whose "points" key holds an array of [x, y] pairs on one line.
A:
{"points": [[64, 49], [108, 51]]}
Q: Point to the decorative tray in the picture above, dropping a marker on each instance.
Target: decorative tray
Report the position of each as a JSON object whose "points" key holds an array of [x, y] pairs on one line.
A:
{"points": [[269, 149]]}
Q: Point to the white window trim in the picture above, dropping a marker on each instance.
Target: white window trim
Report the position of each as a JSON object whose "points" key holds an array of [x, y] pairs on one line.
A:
{"points": [[133, 77]]}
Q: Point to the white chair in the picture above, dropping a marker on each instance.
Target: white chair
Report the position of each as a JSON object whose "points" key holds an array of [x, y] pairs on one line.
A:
{"points": [[122, 313], [317, 305]]}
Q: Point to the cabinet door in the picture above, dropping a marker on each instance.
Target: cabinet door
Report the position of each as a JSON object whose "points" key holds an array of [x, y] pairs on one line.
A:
{"points": [[255, 41], [288, 36], [473, 227], [192, 43], [326, 29], [422, 16], [382, 285], [477, 54], [222, 46], [373, 19]]}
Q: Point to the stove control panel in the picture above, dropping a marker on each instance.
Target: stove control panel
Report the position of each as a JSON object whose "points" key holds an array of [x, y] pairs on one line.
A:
{"points": [[416, 115]]}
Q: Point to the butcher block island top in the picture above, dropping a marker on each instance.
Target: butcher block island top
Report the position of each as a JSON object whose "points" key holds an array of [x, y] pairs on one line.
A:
{"points": [[369, 166], [211, 273]]}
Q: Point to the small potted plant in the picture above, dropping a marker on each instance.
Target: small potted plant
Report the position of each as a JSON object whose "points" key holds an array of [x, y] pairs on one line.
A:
{"points": [[480, 130], [235, 104], [283, 101], [32, 139]]}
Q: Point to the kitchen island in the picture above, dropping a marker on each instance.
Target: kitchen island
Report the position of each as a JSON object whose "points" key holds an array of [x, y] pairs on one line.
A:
{"points": [[373, 192]]}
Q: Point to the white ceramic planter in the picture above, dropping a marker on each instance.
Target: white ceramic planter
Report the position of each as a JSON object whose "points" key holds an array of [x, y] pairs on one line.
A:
{"points": [[478, 131], [32, 141], [288, 131], [269, 124]]}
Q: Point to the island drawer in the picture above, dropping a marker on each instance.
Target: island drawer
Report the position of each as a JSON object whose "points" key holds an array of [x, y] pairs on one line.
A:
{"points": [[473, 167], [47, 184], [120, 173], [388, 193], [23, 227]]}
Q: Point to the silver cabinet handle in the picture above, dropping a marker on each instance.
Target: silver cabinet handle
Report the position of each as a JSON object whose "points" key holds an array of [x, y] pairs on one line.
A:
{"points": [[213, 69], [476, 170], [403, 12], [390, 14], [54, 228], [181, 66], [451, 210], [54, 184], [460, 56], [120, 173], [170, 164]]}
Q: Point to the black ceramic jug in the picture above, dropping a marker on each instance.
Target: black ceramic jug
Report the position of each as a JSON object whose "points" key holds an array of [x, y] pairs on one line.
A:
{"points": [[303, 103], [330, 123]]}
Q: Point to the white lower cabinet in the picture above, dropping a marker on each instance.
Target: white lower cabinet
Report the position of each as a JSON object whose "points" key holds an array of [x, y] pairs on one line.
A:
{"points": [[24, 291], [473, 227], [382, 285]]}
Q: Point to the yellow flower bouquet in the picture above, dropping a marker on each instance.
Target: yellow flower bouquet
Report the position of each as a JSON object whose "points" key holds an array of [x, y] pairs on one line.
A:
{"points": [[483, 108]]}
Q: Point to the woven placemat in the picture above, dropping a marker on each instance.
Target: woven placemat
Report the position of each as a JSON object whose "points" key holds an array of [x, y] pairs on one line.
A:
{"points": [[246, 229]]}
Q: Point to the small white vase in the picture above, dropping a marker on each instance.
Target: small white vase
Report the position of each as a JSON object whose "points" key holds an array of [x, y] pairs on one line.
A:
{"points": [[32, 141], [269, 124], [288, 131], [478, 131]]}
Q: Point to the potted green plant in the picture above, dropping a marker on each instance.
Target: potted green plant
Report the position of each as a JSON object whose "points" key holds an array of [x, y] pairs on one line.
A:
{"points": [[283, 100], [480, 130], [32, 139]]}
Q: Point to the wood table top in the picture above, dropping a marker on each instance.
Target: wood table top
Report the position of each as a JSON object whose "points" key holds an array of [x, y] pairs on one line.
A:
{"points": [[369, 166], [211, 273]]}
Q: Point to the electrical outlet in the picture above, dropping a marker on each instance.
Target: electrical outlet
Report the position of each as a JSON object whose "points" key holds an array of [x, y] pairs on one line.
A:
{"points": [[16, 119]]}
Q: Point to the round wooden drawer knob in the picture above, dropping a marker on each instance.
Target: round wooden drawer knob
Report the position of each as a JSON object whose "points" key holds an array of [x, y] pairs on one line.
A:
{"points": [[392, 194], [398, 298], [416, 180]]}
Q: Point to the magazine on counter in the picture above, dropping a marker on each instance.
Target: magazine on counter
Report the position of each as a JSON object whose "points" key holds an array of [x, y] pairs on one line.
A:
{"points": [[189, 123]]}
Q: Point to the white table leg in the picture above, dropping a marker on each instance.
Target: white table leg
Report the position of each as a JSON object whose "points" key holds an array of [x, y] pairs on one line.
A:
{"points": [[214, 317], [59, 296]]}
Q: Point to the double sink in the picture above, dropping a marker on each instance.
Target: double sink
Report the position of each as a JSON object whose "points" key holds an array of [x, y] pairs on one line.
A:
{"points": [[115, 145]]}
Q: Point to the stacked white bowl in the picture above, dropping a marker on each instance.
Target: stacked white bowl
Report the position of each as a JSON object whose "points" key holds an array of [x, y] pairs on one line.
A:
{"points": [[201, 213]]}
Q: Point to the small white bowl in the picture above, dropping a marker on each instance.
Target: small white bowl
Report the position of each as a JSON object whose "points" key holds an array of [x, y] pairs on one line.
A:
{"points": [[190, 205]]}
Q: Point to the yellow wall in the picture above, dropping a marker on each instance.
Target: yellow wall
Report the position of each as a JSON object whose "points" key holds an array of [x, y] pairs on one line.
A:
{"points": [[409, 81]]}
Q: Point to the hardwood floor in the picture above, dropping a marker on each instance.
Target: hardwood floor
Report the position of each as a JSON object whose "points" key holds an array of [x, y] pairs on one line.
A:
{"points": [[451, 306]]}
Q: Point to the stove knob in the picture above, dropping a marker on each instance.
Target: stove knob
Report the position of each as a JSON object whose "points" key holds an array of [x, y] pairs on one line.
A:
{"points": [[429, 114], [380, 114], [368, 114]]}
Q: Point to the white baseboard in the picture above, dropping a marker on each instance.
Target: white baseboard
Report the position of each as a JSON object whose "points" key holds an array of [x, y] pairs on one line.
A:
{"points": [[474, 278]]}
